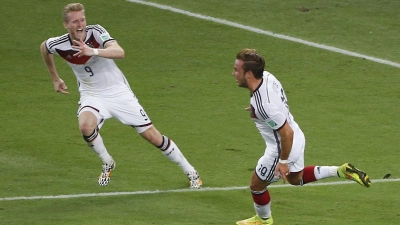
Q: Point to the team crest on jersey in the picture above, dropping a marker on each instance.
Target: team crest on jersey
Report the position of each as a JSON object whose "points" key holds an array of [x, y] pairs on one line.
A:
{"points": [[105, 37]]}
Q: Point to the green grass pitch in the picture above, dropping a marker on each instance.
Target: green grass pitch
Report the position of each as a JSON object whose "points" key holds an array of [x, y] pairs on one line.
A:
{"points": [[180, 68]]}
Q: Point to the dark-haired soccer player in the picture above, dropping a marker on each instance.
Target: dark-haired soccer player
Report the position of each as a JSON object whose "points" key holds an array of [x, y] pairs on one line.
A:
{"points": [[284, 154]]}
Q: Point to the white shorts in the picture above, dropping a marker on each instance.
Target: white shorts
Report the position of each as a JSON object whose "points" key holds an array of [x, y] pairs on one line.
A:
{"points": [[265, 168], [126, 108]]}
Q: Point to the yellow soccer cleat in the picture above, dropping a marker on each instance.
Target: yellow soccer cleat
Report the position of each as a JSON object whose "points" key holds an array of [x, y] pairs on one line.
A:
{"points": [[348, 171], [256, 220]]}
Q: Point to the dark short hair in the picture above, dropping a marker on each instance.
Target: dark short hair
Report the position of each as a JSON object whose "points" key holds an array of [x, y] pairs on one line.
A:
{"points": [[252, 61]]}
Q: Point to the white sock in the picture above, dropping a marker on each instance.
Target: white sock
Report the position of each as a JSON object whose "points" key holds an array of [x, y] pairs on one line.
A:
{"points": [[263, 211], [98, 147], [175, 155], [322, 172]]}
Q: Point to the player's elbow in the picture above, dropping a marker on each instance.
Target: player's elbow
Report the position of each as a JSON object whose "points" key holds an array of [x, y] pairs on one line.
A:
{"points": [[122, 54], [118, 53], [289, 132]]}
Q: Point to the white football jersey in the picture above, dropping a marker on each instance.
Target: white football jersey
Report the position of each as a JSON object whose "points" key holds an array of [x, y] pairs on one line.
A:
{"points": [[96, 76], [270, 110]]}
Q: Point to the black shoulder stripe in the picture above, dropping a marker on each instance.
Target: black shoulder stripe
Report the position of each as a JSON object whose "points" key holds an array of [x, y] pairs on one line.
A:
{"points": [[59, 39], [57, 42], [260, 108], [96, 27], [101, 28]]}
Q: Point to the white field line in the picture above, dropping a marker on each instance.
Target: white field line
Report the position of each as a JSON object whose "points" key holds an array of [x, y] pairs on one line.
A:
{"points": [[265, 32], [184, 190]]}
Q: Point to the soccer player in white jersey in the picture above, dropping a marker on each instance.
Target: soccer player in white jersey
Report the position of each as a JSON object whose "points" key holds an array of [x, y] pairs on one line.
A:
{"points": [[104, 90], [285, 142]]}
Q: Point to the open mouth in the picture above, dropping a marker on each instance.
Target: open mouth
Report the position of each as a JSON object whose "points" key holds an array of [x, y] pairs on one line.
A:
{"points": [[79, 31]]}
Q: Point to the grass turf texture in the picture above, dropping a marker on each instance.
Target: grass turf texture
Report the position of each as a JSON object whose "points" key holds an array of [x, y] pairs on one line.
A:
{"points": [[180, 68]]}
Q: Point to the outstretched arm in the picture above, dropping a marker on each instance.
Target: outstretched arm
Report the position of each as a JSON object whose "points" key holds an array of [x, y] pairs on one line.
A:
{"points": [[48, 59], [112, 50]]}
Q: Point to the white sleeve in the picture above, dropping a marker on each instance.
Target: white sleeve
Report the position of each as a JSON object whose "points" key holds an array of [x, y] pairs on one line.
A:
{"points": [[51, 43], [276, 119], [101, 35]]}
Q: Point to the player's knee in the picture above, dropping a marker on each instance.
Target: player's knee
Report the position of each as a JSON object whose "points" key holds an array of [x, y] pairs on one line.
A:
{"points": [[86, 129], [87, 122], [296, 183], [294, 180], [258, 186]]}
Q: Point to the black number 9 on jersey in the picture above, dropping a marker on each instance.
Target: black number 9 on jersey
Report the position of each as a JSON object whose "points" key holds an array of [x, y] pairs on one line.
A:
{"points": [[89, 70]]}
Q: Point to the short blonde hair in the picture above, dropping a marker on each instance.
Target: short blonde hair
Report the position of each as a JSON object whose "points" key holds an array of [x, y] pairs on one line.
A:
{"points": [[72, 7]]}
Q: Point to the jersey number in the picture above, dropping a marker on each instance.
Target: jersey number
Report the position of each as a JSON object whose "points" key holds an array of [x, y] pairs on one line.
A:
{"points": [[89, 70], [262, 170], [144, 114]]}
